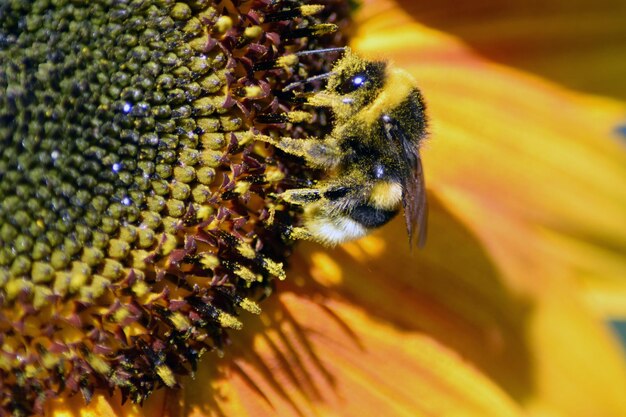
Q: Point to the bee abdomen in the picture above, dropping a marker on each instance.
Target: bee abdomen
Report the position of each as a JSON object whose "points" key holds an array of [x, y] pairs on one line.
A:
{"points": [[371, 217]]}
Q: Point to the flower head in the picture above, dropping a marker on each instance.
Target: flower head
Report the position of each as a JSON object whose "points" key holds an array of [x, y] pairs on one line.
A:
{"points": [[136, 220], [490, 318]]}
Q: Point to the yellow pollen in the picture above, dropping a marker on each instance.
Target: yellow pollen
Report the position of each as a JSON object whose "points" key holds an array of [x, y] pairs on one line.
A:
{"points": [[242, 187], [253, 32], [272, 214], [204, 212], [139, 257], [179, 321], [300, 116], [140, 288], [287, 61], [250, 306], [246, 251], [166, 375], [230, 321], [324, 28], [209, 261], [120, 314], [311, 9], [274, 268], [245, 274], [322, 99], [274, 175], [253, 91]]}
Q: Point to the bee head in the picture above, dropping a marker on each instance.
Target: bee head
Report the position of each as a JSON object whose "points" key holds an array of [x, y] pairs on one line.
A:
{"points": [[353, 84]]}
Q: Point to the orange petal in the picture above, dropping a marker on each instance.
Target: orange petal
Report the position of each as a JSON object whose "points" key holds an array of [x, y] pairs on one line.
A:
{"points": [[578, 44], [531, 170], [329, 357], [505, 159]]}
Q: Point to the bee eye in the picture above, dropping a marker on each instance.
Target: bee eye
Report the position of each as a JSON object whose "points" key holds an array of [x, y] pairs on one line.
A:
{"points": [[353, 83], [358, 81], [379, 171]]}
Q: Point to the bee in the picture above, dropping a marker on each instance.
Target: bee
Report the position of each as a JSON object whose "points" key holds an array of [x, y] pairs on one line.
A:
{"points": [[371, 157]]}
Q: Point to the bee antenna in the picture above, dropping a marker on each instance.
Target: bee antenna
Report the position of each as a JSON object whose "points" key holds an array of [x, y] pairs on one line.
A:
{"points": [[320, 51], [293, 85]]}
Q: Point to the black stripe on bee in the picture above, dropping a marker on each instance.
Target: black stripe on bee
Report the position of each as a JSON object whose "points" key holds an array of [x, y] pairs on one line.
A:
{"points": [[336, 193], [371, 217]]}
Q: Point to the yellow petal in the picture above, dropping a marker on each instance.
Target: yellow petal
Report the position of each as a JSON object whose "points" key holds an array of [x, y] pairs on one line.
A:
{"points": [[99, 406]]}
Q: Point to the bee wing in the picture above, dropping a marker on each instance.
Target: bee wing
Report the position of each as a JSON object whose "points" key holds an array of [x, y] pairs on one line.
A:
{"points": [[413, 187], [415, 204]]}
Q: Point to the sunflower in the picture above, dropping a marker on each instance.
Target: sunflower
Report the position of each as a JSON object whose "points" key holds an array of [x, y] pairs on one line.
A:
{"points": [[504, 311]]}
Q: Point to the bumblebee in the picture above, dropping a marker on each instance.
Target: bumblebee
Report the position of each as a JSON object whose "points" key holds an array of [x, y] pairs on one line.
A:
{"points": [[371, 157]]}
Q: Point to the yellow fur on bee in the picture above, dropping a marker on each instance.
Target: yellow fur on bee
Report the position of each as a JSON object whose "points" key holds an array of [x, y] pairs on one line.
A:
{"points": [[386, 195], [398, 86]]}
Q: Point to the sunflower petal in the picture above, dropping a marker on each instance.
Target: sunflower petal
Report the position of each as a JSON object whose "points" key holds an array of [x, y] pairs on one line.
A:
{"points": [[578, 44], [335, 359], [531, 170]]}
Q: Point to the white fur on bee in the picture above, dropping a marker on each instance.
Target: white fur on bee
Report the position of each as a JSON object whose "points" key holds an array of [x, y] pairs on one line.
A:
{"points": [[332, 231]]}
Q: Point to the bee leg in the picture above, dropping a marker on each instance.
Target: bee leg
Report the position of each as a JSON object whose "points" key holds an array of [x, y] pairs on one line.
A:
{"points": [[326, 217], [301, 196], [308, 198], [298, 233], [318, 153]]}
